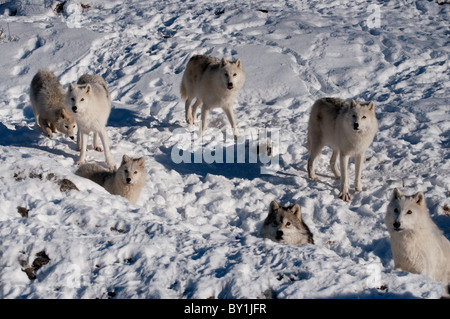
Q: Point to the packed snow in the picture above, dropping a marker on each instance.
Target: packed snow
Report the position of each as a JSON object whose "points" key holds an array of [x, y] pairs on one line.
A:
{"points": [[195, 230]]}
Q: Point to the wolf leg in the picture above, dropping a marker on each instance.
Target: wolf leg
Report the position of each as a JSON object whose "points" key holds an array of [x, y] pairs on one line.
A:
{"points": [[314, 151], [194, 110], [104, 137], [187, 107], [359, 160], [205, 112], [333, 164], [344, 194], [97, 146], [230, 115], [83, 137]]}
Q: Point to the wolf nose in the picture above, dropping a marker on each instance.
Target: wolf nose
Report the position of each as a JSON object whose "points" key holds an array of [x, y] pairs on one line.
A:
{"points": [[128, 180], [355, 126], [230, 85], [74, 109], [72, 137], [397, 224], [279, 234]]}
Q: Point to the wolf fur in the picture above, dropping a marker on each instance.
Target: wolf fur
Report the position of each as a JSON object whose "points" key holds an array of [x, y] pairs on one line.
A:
{"points": [[213, 82], [47, 101], [285, 225], [127, 181], [417, 244], [90, 103], [349, 128]]}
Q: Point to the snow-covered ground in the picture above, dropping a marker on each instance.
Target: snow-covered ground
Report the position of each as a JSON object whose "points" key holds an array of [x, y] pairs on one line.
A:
{"points": [[194, 232]]}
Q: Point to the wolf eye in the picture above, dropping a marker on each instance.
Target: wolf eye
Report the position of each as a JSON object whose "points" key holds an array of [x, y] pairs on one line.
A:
{"points": [[364, 117], [396, 210], [73, 99], [126, 171], [409, 212], [235, 74], [74, 126], [66, 126], [82, 99], [288, 224], [135, 172]]}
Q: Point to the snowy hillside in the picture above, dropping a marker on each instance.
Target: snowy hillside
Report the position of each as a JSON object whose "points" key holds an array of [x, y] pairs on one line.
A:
{"points": [[194, 232]]}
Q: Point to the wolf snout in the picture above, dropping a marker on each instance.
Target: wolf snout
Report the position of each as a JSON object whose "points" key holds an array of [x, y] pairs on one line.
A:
{"points": [[230, 85]]}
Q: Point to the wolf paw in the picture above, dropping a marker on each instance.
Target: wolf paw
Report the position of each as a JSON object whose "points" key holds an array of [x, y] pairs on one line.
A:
{"points": [[80, 162], [345, 196], [98, 149]]}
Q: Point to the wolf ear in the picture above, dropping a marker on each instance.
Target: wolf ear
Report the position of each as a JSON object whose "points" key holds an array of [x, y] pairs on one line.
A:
{"points": [[296, 210], [371, 106], [397, 194], [141, 162], [273, 206], [353, 103], [71, 87], [88, 88], [223, 62], [125, 159], [420, 199], [238, 63]]}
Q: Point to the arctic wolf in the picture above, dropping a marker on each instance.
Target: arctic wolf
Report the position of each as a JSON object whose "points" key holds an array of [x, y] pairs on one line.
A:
{"points": [[90, 104], [285, 225], [213, 82], [349, 128], [47, 100], [127, 181], [417, 244]]}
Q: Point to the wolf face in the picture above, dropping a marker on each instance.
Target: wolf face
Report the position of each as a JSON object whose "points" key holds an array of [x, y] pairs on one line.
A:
{"points": [[66, 123], [359, 117], [131, 171], [77, 97], [285, 225], [233, 77], [406, 213]]}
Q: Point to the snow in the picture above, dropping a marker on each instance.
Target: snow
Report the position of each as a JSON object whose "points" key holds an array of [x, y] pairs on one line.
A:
{"points": [[194, 232]]}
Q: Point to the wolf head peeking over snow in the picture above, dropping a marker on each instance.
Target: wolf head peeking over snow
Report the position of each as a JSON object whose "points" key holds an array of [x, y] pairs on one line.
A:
{"points": [[285, 225]]}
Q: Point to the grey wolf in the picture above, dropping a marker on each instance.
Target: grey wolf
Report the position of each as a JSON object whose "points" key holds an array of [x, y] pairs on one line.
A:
{"points": [[90, 103], [285, 225], [349, 128], [215, 84], [417, 244], [127, 181], [47, 101]]}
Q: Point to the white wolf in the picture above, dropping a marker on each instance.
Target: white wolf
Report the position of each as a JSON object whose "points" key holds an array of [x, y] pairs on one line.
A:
{"points": [[417, 244], [90, 103], [47, 100], [213, 82], [349, 128], [285, 225], [127, 181]]}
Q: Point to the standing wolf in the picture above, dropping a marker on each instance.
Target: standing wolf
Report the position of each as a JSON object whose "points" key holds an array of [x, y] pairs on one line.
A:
{"points": [[348, 128], [90, 104], [417, 244], [127, 181], [213, 82], [47, 100], [285, 225]]}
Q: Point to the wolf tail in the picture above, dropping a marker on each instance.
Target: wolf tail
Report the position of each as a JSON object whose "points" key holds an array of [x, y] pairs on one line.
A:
{"points": [[183, 91]]}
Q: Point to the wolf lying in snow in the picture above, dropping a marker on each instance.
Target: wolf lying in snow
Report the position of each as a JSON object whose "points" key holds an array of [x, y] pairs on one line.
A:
{"points": [[349, 128], [417, 244], [285, 225], [213, 82], [90, 104], [127, 181], [47, 100]]}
